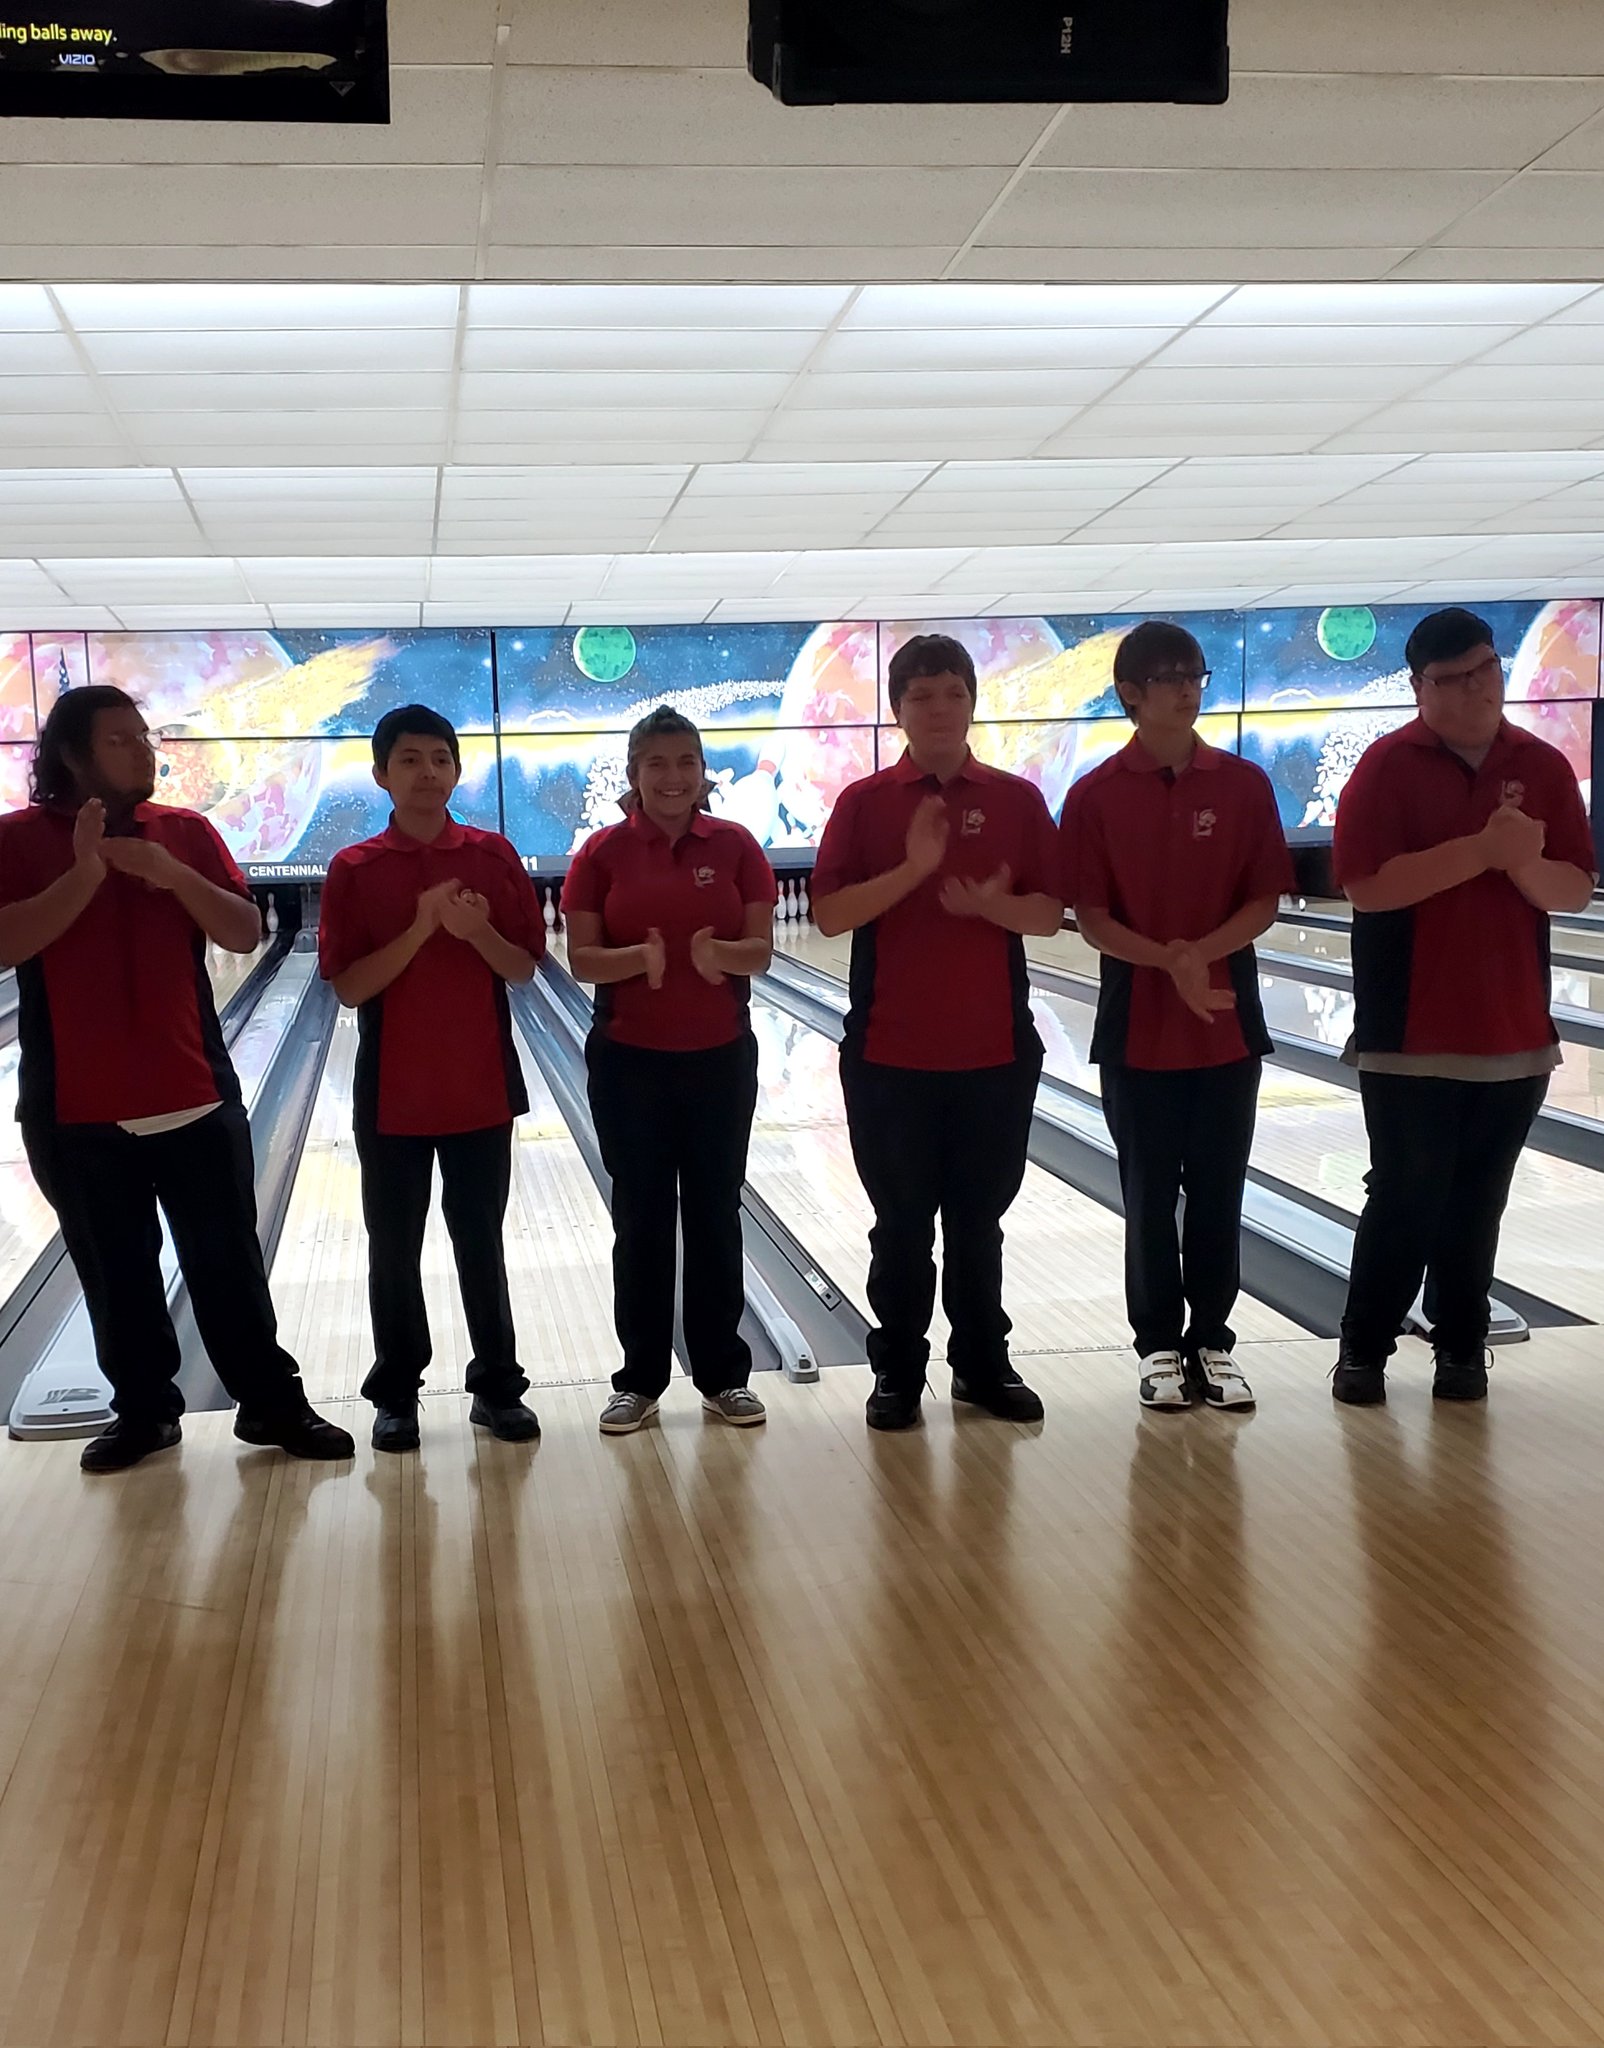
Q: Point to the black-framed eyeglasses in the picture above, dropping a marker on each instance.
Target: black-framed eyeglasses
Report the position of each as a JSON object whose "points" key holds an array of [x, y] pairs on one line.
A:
{"points": [[1468, 678], [1175, 682]]}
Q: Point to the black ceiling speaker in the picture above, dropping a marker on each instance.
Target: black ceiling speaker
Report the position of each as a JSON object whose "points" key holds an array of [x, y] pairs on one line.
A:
{"points": [[812, 53]]}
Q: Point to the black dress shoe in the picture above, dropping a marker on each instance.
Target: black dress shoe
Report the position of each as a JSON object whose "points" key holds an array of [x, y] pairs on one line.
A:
{"points": [[1461, 1378], [396, 1429], [303, 1434], [513, 1421], [1360, 1382], [122, 1444], [891, 1406], [1008, 1397]]}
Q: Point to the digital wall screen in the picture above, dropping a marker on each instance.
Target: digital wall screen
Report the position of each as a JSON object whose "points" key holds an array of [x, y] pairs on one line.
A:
{"points": [[195, 60]]}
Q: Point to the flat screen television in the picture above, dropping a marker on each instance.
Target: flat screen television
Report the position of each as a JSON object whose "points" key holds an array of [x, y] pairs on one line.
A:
{"points": [[195, 60]]}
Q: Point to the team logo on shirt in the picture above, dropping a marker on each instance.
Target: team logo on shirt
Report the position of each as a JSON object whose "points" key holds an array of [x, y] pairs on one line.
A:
{"points": [[1203, 824], [972, 824], [706, 877], [1512, 793]]}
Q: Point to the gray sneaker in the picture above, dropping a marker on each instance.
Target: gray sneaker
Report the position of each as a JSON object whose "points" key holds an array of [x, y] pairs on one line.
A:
{"points": [[625, 1413], [736, 1404]]}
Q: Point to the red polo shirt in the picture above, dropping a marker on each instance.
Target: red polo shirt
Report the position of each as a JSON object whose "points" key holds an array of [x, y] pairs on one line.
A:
{"points": [[1465, 972], [637, 882], [930, 990], [437, 1053], [115, 1020], [1173, 856]]}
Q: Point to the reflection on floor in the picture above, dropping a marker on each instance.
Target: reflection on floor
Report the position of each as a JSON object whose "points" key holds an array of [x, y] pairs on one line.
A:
{"points": [[1136, 1729]]}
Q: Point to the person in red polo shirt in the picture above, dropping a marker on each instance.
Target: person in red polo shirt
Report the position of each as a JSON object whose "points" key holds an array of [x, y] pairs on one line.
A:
{"points": [[1456, 836], [937, 866], [421, 930], [1175, 862], [125, 1094], [669, 914]]}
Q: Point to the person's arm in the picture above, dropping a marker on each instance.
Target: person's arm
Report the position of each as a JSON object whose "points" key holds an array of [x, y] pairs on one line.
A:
{"points": [[1554, 884], [466, 916], [860, 903], [1103, 931], [228, 919], [591, 959], [749, 954], [1036, 916], [1240, 929], [26, 928], [373, 973], [1509, 840]]}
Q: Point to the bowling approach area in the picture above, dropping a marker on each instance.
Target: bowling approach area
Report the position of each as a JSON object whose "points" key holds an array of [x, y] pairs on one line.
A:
{"points": [[1122, 1727], [1129, 1728]]}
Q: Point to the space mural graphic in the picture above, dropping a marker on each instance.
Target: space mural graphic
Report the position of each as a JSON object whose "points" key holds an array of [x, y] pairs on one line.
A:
{"points": [[267, 732]]}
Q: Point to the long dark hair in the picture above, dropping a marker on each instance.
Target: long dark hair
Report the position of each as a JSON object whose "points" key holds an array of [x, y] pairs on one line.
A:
{"points": [[69, 730]]}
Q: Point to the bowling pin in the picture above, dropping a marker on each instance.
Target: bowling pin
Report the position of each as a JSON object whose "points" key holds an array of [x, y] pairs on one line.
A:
{"points": [[549, 911], [802, 899], [790, 902], [272, 915]]}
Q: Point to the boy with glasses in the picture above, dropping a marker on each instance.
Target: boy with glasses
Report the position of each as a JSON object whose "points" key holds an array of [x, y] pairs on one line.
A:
{"points": [[1175, 862], [1455, 838]]}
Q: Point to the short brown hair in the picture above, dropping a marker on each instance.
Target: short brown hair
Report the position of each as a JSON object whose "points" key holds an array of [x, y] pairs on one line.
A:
{"points": [[1154, 644], [929, 654]]}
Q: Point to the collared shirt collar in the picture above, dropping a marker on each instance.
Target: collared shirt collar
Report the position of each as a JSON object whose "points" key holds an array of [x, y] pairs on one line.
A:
{"points": [[907, 769], [1135, 757], [700, 827], [1417, 733], [394, 840]]}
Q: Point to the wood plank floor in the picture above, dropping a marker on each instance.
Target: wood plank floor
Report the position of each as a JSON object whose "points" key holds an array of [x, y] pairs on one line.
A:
{"points": [[1131, 1729]]}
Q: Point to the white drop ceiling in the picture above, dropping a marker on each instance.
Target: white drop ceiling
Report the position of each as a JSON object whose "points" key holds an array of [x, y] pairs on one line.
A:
{"points": [[596, 330]]}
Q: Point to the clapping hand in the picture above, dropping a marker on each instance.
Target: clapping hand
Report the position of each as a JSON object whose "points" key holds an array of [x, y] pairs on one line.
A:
{"points": [[146, 859], [465, 914], [432, 902], [1511, 839], [1190, 974], [655, 956], [961, 897], [926, 844], [89, 837], [703, 958]]}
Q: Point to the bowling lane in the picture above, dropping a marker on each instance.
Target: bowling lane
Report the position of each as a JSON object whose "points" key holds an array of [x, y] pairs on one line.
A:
{"points": [[1063, 1256], [558, 1237], [1311, 1135], [27, 1221]]}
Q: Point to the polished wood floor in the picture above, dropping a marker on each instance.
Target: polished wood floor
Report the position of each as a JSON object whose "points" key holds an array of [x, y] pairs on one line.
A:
{"points": [[1131, 1729]]}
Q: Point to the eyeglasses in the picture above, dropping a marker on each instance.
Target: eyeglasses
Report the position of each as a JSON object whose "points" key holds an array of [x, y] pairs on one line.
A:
{"points": [[1479, 677], [1175, 682]]}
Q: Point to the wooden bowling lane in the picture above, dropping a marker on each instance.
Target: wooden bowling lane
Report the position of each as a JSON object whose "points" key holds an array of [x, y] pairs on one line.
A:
{"points": [[1283, 1731]]}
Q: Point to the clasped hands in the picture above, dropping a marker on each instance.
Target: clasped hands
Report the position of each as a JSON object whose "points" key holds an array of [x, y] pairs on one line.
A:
{"points": [[449, 907]]}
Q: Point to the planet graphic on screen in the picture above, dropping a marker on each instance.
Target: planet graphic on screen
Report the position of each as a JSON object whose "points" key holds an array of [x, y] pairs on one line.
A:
{"points": [[1346, 631], [604, 653]]}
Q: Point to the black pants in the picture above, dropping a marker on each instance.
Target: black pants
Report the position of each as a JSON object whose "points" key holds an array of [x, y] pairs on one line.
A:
{"points": [[951, 1145], [1442, 1156], [104, 1186], [673, 1128], [397, 1186], [1187, 1132]]}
